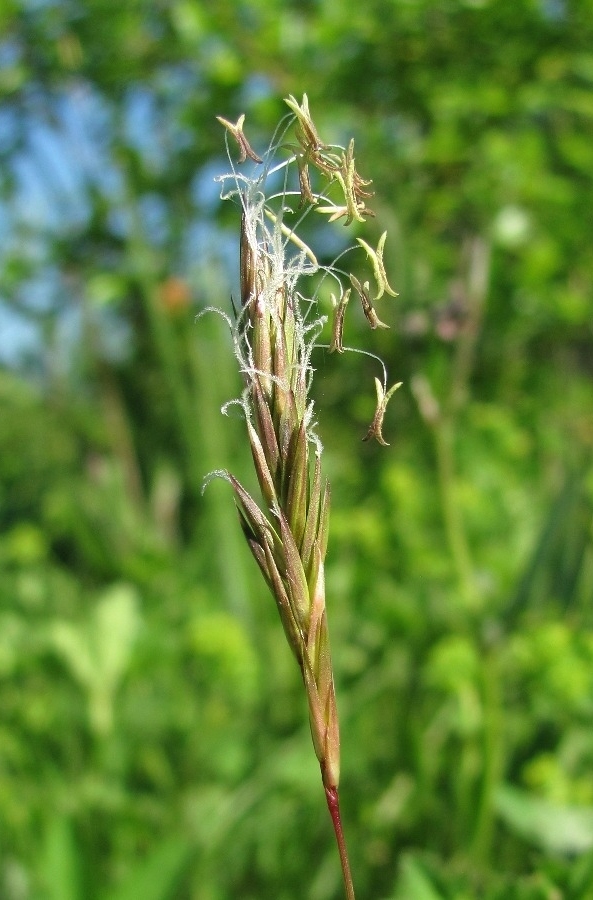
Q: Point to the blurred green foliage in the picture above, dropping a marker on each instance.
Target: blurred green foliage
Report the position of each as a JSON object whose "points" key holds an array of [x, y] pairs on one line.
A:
{"points": [[153, 740]]}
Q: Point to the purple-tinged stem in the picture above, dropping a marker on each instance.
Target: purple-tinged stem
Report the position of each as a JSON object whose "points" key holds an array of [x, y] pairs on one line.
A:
{"points": [[333, 804]]}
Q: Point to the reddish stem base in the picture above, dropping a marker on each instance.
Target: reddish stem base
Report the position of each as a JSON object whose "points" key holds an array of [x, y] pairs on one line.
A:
{"points": [[333, 804]]}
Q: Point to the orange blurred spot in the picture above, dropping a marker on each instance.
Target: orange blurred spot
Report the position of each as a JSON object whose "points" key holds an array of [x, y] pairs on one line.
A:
{"points": [[174, 294]]}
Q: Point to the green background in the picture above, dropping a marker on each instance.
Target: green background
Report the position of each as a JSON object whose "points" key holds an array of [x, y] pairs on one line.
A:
{"points": [[153, 733]]}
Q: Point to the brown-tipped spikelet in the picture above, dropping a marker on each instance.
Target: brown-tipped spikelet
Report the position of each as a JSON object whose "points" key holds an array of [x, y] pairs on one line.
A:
{"points": [[287, 531]]}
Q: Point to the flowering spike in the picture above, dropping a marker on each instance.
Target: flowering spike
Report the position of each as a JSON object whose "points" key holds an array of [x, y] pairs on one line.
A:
{"points": [[357, 182], [367, 307], [355, 209], [307, 132], [334, 212], [257, 522], [307, 195], [350, 183], [264, 476], [312, 516], [265, 427], [375, 431], [274, 336], [287, 616], [338, 322], [376, 257], [236, 130], [297, 488], [296, 583]]}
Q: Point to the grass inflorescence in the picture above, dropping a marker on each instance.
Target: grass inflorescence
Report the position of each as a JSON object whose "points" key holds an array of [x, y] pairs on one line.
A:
{"points": [[275, 330]]}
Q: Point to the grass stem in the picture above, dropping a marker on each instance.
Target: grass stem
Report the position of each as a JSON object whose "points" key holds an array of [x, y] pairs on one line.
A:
{"points": [[333, 804]]}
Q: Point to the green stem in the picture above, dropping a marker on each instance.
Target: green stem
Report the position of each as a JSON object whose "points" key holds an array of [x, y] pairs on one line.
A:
{"points": [[443, 433], [333, 804], [493, 757], [476, 291], [478, 251]]}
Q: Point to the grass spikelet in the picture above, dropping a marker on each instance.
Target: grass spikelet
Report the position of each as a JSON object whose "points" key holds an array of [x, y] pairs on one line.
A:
{"points": [[287, 531]]}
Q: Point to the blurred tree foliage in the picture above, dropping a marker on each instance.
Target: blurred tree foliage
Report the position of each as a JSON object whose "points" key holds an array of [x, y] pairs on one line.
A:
{"points": [[152, 739]]}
